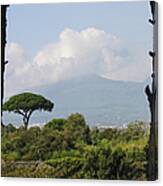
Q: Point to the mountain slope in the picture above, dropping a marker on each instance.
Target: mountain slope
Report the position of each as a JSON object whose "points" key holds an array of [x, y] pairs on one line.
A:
{"points": [[102, 101], [99, 99]]}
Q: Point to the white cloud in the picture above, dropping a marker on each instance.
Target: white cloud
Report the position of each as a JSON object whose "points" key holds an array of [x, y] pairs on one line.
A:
{"points": [[90, 51]]}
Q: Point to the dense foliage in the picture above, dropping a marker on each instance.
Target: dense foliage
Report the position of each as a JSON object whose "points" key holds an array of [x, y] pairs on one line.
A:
{"points": [[68, 148], [26, 103]]}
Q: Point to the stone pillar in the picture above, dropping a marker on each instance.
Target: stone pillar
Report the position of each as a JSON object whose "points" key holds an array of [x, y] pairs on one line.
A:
{"points": [[152, 95], [2, 54]]}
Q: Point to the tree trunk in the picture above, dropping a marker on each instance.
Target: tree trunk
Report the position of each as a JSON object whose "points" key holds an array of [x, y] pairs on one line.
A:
{"points": [[26, 118], [25, 122]]}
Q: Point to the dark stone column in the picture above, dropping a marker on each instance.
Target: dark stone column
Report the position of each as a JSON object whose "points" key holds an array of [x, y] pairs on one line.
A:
{"points": [[152, 95], [3, 43]]}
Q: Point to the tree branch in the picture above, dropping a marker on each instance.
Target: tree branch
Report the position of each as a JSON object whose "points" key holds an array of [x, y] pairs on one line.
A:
{"points": [[20, 112]]}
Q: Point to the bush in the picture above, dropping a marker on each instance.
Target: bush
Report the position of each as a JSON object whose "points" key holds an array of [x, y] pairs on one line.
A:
{"points": [[70, 149], [56, 124]]}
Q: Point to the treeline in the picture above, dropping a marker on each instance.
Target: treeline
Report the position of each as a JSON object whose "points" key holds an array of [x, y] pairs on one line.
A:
{"points": [[68, 148]]}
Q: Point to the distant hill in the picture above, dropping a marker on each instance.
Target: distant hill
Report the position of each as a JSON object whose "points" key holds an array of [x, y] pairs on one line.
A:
{"points": [[101, 100]]}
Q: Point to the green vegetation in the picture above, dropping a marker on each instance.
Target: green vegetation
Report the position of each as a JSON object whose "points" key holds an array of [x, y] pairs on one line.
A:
{"points": [[68, 148], [26, 103]]}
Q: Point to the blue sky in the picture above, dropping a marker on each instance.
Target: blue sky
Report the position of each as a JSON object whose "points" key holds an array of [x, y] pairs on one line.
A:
{"points": [[33, 26], [66, 40]]}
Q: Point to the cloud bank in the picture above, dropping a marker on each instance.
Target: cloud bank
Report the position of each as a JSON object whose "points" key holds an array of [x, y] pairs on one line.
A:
{"points": [[90, 51]]}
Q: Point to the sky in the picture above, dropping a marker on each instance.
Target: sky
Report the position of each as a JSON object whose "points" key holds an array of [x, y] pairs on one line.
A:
{"points": [[48, 43]]}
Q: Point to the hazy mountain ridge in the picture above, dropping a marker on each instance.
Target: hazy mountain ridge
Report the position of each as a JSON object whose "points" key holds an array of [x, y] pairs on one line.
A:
{"points": [[101, 100]]}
